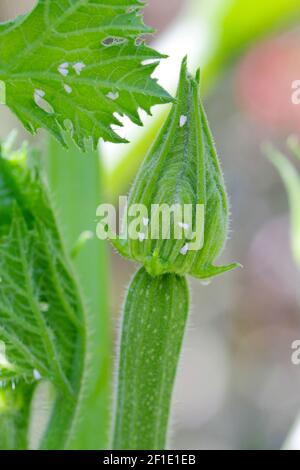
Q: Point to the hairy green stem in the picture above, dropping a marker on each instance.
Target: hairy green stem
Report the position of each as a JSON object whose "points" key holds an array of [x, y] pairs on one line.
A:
{"points": [[63, 423], [75, 181], [155, 316], [14, 420]]}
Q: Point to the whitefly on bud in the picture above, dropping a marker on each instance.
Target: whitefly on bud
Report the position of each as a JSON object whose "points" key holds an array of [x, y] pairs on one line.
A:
{"points": [[177, 216]]}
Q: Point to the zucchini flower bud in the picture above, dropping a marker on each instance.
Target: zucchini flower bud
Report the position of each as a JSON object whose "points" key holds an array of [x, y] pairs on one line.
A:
{"points": [[177, 216]]}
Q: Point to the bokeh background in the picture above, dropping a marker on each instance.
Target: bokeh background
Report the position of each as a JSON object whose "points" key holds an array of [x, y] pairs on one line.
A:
{"points": [[237, 387]]}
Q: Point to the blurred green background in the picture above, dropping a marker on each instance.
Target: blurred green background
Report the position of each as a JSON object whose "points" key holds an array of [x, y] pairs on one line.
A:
{"points": [[237, 387]]}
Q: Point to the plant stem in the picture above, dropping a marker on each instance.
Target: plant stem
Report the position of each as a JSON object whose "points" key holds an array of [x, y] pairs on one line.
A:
{"points": [[75, 181], [154, 322], [14, 420]]}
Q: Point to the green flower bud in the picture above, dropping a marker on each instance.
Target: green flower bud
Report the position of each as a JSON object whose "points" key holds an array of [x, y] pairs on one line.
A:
{"points": [[177, 215]]}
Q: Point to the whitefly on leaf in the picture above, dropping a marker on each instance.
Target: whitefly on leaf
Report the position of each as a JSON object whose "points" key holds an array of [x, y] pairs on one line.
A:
{"points": [[84, 58]]}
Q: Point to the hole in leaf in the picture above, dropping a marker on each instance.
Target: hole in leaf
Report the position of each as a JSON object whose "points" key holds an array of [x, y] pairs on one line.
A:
{"points": [[140, 41], [149, 61], [113, 41]]}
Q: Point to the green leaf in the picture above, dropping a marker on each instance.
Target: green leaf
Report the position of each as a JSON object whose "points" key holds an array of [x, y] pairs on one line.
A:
{"points": [[77, 64], [41, 316], [154, 322], [244, 22], [291, 179]]}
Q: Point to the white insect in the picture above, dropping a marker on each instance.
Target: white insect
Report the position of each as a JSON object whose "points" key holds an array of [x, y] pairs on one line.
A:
{"points": [[63, 69], [184, 249], [183, 120], [36, 374], [142, 237], [38, 96], [113, 96], [78, 67], [184, 226], [68, 89]]}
